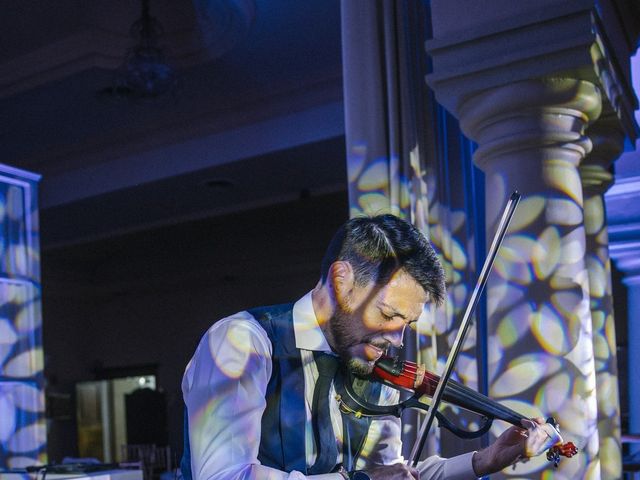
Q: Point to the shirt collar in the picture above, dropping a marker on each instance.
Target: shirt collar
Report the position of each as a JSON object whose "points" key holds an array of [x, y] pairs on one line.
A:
{"points": [[308, 334]]}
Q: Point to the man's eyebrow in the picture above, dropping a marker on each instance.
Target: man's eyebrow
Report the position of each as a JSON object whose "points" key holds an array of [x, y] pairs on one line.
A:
{"points": [[393, 310]]}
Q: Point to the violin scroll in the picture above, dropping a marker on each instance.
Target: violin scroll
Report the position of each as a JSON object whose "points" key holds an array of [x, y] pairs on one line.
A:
{"points": [[559, 449], [564, 449]]}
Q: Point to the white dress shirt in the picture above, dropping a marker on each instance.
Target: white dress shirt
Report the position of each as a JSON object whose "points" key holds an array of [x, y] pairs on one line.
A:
{"points": [[224, 388]]}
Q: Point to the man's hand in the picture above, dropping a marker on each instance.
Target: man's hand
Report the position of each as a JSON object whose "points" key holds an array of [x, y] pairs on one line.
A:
{"points": [[506, 450], [398, 471]]}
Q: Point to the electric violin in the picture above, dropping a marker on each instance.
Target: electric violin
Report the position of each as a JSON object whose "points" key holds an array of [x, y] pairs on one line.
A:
{"points": [[419, 382], [414, 378]]}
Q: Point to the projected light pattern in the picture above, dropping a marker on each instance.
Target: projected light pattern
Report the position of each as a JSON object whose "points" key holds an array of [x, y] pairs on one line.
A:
{"points": [[22, 432], [604, 336], [550, 331], [376, 186], [411, 188], [452, 227], [22, 425], [540, 349], [226, 403], [550, 343]]}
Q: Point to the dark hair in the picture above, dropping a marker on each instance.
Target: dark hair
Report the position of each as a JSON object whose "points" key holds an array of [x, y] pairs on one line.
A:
{"points": [[378, 246]]}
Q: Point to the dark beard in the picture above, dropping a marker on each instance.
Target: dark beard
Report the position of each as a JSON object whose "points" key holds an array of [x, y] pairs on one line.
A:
{"points": [[344, 338], [359, 368]]}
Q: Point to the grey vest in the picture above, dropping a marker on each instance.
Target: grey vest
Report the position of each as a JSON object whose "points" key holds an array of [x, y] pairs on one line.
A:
{"points": [[282, 441]]}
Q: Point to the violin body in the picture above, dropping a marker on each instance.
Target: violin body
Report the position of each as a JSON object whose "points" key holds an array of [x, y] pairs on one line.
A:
{"points": [[414, 378]]}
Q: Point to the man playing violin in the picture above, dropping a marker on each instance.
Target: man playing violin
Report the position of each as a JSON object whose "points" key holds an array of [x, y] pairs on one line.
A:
{"points": [[260, 390]]}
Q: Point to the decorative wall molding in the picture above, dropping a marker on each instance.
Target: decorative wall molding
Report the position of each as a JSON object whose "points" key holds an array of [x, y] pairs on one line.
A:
{"points": [[625, 187], [624, 224]]}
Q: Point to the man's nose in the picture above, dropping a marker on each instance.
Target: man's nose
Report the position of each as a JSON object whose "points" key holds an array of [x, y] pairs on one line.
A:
{"points": [[395, 336]]}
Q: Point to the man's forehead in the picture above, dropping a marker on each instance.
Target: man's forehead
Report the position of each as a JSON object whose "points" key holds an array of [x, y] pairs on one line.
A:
{"points": [[403, 290], [402, 279]]}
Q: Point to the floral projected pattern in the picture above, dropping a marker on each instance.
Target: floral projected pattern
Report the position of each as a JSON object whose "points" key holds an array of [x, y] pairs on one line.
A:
{"points": [[434, 195], [604, 336], [544, 343], [22, 425], [548, 340], [453, 222], [535, 355], [541, 358]]}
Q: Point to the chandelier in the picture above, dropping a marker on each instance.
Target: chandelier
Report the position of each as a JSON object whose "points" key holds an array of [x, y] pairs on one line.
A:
{"points": [[145, 72]]}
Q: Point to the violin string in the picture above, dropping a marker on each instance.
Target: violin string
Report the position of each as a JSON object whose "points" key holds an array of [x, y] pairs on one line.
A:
{"points": [[493, 408], [457, 393]]}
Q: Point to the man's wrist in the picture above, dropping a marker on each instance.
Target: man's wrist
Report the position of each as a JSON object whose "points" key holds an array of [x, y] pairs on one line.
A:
{"points": [[478, 463]]}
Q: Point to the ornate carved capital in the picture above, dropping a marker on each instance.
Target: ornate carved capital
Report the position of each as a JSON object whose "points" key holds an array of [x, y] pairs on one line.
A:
{"points": [[544, 114], [497, 43], [607, 139]]}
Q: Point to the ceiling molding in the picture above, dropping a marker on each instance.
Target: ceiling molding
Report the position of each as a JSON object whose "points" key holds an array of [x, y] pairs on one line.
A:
{"points": [[110, 145], [213, 211], [313, 124]]}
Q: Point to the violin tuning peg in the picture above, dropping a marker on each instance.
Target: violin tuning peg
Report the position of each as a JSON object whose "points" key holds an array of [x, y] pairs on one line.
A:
{"points": [[553, 456]]}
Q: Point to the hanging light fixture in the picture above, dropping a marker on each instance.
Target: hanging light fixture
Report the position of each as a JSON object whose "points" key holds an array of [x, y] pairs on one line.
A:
{"points": [[145, 72]]}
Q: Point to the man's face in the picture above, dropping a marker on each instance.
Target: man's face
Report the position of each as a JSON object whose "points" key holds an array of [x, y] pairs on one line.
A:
{"points": [[373, 317]]}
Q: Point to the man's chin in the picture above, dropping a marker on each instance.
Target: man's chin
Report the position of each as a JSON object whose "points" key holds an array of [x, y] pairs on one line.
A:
{"points": [[360, 368]]}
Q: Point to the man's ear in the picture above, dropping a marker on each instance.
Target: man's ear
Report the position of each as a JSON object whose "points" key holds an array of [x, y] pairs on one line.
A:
{"points": [[342, 281]]}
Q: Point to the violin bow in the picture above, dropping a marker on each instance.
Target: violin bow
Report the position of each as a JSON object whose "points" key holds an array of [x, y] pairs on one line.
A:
{"points": [[507, 215]]}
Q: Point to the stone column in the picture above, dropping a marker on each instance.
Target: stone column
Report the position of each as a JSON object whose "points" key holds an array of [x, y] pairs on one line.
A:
{"points": [[530, 137], [607, 139]]}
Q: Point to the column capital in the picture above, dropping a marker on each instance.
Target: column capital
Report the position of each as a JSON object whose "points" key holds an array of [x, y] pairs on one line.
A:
{"points": [[607, 139], [498, 42], [531, 116]]}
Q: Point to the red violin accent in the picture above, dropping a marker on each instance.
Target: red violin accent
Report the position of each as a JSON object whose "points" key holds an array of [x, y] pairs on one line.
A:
{"points": [[565, 450], [414, 377]]}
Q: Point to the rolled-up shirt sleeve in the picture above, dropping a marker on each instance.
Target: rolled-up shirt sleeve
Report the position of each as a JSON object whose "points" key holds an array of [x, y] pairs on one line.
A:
{"points": [[454, 468], [224, 390], [383, 446]]}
